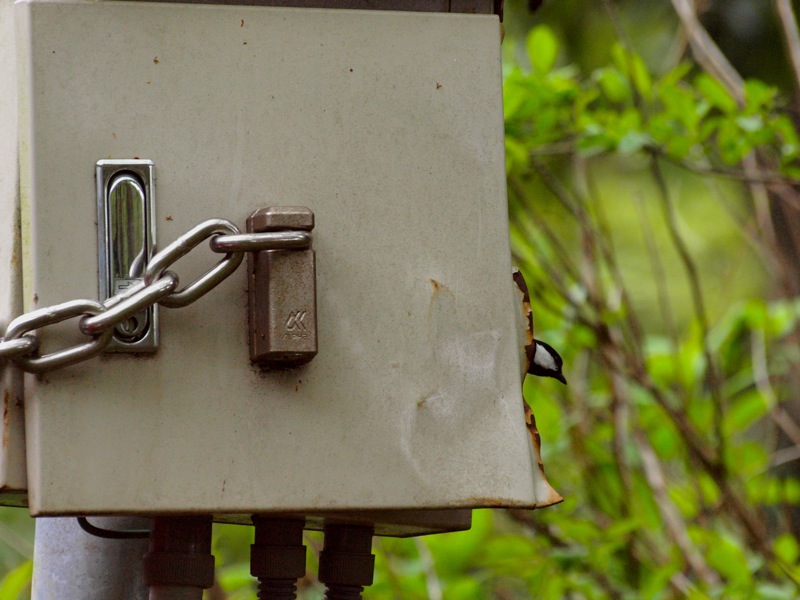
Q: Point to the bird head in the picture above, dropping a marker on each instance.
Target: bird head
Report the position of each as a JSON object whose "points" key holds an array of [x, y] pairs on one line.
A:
{"points": [[546, 362]]}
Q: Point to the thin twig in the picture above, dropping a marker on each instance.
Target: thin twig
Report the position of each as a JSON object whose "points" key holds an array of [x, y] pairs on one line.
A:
{"points": [[786, 423], [758, 352], [785, 455], [761, 202], [561, 254], [697, 449], [561, 192], [659, 274], [606, 244], [616, 21], [391, 572], [731, 498], [676, 528], [750, 175], [15, 541], [749, 233], [432, 583], [699, 307], [706, 52]]}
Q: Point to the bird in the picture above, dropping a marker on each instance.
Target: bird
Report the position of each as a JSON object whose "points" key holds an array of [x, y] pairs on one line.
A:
{"points": [[546, 362], [540, 359]]}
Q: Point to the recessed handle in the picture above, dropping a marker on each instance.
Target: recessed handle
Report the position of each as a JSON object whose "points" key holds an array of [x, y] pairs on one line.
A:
{"points": [[126, 236]]}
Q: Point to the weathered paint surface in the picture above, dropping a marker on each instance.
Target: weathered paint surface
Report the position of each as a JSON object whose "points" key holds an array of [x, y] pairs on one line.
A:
{"points": [[12, 453]]}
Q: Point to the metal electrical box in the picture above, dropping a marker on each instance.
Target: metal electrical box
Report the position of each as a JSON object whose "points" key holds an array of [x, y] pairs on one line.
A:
{"points": [[389, 127]]}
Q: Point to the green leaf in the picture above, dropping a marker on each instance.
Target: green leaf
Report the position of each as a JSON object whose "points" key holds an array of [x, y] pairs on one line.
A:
{"points": [[614, 85], [773, 491], [791, 171], [751, 123], [675, 75], [462, 589], [787, 548], [716, 93], [749, 458], [633, 141], [733, 147], [769, 591], [641, 76], [686, 499], [744, 411], [16, 581], [516, 155], [233, 577], [791, 491], [542, 47], [759, 95], [782, 318], [726, 556], [514, 97], [709, 489], [787, 134]]}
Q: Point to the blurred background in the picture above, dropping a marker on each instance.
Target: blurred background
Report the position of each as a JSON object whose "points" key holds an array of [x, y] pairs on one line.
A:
{"points": [[652, 160]]}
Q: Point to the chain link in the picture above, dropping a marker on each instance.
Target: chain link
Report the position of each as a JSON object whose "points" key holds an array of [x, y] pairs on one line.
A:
{"points": [[49, 316], [26, 344], [121, 311], [159, 286], [182, 246]]}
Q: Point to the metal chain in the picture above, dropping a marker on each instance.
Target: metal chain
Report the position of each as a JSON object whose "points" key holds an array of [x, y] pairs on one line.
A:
{"points": [[159, 286]]}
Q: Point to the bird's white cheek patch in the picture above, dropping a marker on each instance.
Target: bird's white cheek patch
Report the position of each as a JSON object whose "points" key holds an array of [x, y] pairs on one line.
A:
{"points": [[544, 359]]}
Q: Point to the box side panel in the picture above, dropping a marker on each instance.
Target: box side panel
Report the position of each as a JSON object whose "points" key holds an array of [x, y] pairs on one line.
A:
{"points": [[12, 447]]}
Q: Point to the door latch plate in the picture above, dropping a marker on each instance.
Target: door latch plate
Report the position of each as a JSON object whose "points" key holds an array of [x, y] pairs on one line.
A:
{"points": [[126, 230]]}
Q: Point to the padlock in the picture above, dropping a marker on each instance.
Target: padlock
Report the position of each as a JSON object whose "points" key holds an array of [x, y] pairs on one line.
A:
{"points": [[282, 292]]}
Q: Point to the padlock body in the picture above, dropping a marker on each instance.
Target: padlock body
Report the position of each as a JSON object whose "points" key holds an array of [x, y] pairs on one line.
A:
{"points": [[283, 308]]}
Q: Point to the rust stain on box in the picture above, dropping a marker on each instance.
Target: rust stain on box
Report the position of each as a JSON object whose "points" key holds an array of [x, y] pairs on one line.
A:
{"points": [[6, 415]]}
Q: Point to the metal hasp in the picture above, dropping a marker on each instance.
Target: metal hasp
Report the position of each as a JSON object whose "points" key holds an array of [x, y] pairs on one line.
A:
{"points": [[282, 292], [126, 238]]}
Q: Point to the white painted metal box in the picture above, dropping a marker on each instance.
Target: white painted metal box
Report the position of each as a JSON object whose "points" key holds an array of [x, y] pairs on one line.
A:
{"points": [[389, 127]]}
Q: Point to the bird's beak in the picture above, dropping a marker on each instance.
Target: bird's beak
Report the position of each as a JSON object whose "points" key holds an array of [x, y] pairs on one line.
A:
{"points": [[561, 378]]}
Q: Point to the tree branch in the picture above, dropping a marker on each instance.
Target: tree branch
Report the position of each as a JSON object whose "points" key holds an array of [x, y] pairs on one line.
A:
{"points": [[706, 52]]}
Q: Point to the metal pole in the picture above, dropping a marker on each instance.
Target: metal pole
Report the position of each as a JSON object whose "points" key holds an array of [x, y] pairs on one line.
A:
{"points": [[70, 564]]}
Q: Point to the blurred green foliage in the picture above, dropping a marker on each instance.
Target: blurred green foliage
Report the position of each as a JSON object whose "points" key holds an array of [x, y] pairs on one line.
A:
{"points": [[622, 108]]}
